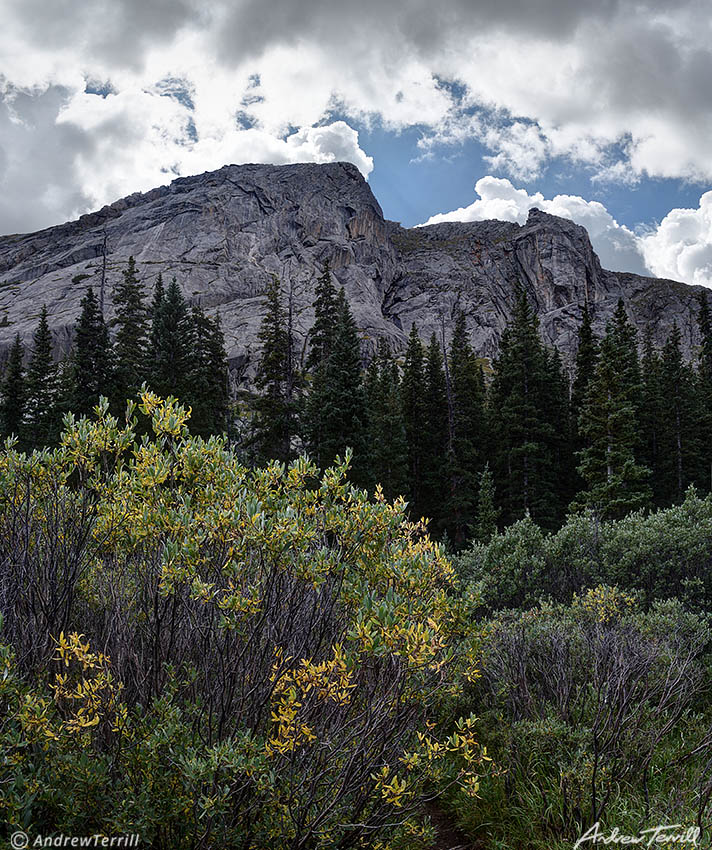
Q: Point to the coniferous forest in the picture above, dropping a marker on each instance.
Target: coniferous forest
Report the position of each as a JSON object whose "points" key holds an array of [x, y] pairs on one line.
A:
{"points": [[367, 602], [460, 439]]}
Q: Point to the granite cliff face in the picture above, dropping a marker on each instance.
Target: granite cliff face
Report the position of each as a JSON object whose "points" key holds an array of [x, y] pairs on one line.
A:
{"points": [[223, 234], [474, 267]]}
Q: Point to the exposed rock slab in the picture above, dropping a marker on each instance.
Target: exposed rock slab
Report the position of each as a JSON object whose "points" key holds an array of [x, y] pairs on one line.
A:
{"points": [[223, 234]]}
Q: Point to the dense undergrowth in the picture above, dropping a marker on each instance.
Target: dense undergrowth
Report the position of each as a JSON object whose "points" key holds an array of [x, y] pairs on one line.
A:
{"points": [[212, 656], [596, 672], [215, 656]]}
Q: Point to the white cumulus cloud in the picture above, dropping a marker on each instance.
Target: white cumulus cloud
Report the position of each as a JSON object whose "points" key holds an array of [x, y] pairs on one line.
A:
{"points": [[680, 247], [618, 247], [621, 86]]}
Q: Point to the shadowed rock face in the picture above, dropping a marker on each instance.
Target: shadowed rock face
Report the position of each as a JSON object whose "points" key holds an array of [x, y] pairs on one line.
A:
{"points": [[474, 266], [223, 234]]}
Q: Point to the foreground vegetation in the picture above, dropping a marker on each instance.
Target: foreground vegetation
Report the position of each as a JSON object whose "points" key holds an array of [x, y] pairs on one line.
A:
{"points": [[214, 656], [596, 675], [217, 657], [600, 713]]}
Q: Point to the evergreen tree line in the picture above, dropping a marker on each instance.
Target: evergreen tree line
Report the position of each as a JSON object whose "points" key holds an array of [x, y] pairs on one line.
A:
{"points": [[173, 347], [474, 452], [468, 451]]}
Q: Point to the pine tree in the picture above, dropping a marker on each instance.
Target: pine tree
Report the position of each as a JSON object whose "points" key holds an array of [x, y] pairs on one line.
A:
{"points": [[609, 422], [679, 431], [171, 343], [131, 336], [209, 376], [487, 513], [525, 436], [466, 443], [276, 406], [413, 406], [321, 336], [13, 392], [42, 416], [336, 401], [435, 427], [388, 451], [89, 365]]}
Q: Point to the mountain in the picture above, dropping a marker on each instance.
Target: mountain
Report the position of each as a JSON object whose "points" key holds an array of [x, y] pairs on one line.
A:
{"points": [[222, 234]]}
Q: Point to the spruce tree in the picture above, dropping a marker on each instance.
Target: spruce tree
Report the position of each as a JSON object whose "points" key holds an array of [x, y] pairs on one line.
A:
{"points": [[276, 406], [704, 324], [434, 471], [42, 415], [13, 391], [321, 335], [679, 431], [703, 413], [703, 383], [585, 365], [609, 422], [336, 402], [387, 448], [159, 293], [626, 342], [371, 386], [525, 457], [487, 513], [556, 410], [413, 406], [171, 343], [466, 444], [586, 356], [89, 364], [130, 347], [321, 338], [651, 415], [209, 378]]}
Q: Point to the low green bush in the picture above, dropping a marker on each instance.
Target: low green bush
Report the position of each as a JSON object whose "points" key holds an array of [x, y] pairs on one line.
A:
{"points": [[662, 555], [596, 711]]}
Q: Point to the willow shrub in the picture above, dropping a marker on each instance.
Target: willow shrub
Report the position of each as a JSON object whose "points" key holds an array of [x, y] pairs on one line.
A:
{"points": [[600, 713], [216, 656], [662, 555]]}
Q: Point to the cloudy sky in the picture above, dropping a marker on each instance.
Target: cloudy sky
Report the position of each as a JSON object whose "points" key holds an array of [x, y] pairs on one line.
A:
{"points": [[464, 109]]}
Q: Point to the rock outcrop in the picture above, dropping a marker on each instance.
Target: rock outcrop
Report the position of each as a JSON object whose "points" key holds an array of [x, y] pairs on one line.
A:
{"points": [[223, 234]]}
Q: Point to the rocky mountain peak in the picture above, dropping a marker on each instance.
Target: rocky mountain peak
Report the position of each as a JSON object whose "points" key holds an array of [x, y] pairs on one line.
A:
{"points": [[223, 234]]}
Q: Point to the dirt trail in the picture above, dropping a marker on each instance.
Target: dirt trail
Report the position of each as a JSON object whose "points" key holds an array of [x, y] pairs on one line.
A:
{"points": [[449, 836]]}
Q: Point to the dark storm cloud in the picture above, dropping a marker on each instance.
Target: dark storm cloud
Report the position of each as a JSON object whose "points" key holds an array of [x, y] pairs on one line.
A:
{"points": [[252, 26], [40, 187], [108, 31], [601, 71]]}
